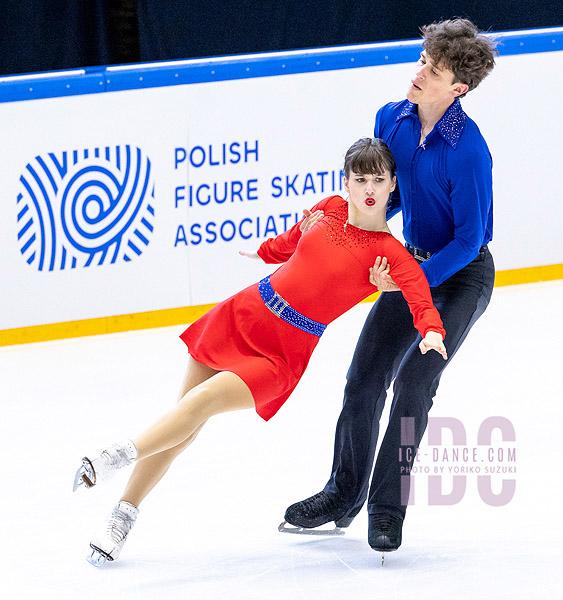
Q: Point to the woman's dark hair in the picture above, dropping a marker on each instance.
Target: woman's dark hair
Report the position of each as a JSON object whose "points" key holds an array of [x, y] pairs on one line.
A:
{"points": [[457, 45], [369, 156]]}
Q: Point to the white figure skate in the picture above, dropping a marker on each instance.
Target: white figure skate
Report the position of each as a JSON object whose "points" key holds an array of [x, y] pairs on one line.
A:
{"points": [[102, 468], [108, 542]]}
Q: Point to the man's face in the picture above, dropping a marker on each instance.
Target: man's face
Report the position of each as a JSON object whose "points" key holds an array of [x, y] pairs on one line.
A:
{"points": [[433, 84]]}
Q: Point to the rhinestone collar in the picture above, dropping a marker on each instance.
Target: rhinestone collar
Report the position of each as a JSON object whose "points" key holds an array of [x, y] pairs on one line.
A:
{"points": [[341, 233], [450, 126]]}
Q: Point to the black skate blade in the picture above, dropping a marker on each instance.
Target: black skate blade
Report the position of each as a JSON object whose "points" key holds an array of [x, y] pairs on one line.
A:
{"points": [[283, 528]]}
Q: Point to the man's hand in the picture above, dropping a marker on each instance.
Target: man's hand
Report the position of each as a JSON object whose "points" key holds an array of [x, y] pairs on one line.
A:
{"points": [[379, 276], [433, 341], [248, 254], [310, 219]]}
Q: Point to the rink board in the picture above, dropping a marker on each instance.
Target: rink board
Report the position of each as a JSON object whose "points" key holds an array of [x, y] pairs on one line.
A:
{"points": [[136, 200]]}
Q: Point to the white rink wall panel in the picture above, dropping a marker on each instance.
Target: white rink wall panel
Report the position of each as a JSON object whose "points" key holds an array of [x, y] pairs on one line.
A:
{"points": [[139, 200]]}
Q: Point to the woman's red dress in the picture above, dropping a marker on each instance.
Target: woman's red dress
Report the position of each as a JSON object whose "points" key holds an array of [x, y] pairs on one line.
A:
{"points": [[325, 273]]}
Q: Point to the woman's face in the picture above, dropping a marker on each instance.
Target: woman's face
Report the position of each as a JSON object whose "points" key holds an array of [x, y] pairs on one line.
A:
{"points": [[368, 194]]}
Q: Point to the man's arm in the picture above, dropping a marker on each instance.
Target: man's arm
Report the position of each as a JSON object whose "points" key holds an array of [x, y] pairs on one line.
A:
{"points": [[471, 199]]}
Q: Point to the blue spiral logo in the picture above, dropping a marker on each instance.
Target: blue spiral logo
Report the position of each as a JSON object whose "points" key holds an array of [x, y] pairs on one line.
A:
{"points": [[92, 207]]}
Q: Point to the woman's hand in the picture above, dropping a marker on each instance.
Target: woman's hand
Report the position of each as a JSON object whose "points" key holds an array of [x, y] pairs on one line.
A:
{"points": [[248, 254], [310, 219], [379, 276], [433, 341]]}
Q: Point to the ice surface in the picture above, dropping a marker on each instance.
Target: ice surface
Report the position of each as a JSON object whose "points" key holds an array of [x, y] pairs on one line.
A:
{"points": [[209, 530]]}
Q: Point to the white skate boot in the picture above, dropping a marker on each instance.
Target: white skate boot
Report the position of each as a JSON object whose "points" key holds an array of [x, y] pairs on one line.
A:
{"points": [[104, 466], [108, 542]]}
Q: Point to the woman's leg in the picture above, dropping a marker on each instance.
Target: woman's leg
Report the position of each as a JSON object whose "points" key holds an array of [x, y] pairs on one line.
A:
{"points": [[223, 392], [206, 393], [150, 470]]}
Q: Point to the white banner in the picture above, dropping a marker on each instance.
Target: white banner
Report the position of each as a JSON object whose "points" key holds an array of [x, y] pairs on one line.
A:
{"points": [[124, 202]]}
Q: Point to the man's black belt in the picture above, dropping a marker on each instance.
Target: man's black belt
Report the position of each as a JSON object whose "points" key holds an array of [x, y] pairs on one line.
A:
{"points": [[422, 255]]}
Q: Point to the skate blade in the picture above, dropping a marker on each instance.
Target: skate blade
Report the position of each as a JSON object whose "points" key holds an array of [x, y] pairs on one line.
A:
{"points": [[384, 552], [85, 475], [97, 558], [283, 528]]}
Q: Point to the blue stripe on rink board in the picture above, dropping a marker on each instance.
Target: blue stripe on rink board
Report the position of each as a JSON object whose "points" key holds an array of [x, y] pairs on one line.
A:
{"points": [[181, 72]]}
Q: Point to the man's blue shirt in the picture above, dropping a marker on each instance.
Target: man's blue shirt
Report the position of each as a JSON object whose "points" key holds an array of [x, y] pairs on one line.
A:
{"points": [[445, 185]]}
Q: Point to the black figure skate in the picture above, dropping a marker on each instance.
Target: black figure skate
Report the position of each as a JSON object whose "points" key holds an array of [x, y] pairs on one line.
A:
{"points": [[307, 515], [385, 533]]}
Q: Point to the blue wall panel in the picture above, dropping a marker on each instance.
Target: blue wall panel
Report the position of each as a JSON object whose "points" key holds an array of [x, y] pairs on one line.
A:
{"points": [[147, 75]]}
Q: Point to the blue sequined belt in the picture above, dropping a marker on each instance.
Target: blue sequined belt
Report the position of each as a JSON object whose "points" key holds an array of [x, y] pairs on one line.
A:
{"points": [[283, 310]]}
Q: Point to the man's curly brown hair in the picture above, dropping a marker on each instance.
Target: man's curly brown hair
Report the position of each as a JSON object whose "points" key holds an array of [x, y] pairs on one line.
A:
{"points": [[457, 45]]}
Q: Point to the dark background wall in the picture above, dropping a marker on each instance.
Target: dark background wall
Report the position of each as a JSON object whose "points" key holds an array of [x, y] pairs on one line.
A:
{"points": [[41, 35]]}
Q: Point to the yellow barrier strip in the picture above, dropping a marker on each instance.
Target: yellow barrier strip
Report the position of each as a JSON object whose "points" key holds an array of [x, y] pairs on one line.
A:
{"points": [[115, 324], [529, 275], [188, 314]]}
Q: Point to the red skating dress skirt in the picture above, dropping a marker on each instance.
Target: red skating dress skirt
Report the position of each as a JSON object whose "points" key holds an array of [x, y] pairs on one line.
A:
{"points": [[243, 336]]}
